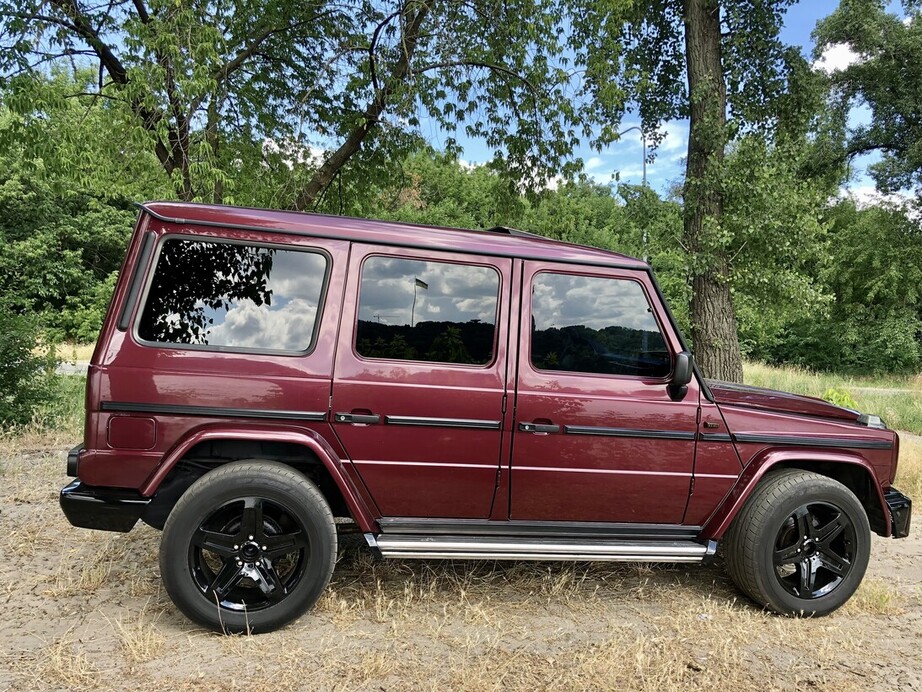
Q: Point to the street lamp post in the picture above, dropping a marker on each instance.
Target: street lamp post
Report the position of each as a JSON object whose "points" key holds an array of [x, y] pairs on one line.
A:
{"points": [[643, 141]]}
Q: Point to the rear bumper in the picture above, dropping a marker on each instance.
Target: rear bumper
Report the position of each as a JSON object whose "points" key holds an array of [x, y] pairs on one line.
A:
{"points": [[106, 509], [900, 508]]}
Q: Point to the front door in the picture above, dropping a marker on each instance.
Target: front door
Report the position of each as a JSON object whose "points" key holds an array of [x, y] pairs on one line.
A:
{"points": [[420, 379], [597, 436]]}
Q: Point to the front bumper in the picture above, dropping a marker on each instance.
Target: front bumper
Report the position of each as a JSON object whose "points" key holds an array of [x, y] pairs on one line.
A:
{"points": [[900, 508], [106, 509]]}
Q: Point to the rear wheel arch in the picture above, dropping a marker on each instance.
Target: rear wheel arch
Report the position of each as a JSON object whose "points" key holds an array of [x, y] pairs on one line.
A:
{"points": [[206, 450]]}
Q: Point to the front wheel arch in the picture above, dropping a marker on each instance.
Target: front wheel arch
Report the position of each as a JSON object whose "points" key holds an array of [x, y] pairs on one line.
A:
{"points": [[851, 470]]}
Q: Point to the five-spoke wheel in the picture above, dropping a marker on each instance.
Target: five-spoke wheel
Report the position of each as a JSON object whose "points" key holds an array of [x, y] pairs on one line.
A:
{"points": [[249, 547], [800, 545]]}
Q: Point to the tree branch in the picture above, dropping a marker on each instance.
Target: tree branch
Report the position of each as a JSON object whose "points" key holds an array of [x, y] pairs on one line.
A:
{"points": [[373, 45], [327, 172], [142, 11], [488, 66], [107, 58]]}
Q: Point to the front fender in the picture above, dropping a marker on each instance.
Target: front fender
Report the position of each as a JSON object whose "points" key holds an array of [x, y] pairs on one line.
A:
{"points": [[726, 512], [304, 437]]}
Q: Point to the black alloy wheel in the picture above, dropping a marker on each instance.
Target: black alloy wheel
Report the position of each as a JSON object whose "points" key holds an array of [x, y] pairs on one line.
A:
{"points": [[800, 545], [814, 550], [249, 547], [248, 554]]}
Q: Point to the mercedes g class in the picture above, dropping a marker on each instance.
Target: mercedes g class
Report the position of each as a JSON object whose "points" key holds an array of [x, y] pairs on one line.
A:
{"points": [[456, 394]]}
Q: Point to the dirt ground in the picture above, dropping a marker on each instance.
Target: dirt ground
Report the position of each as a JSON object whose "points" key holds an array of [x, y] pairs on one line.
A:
{"points": [[85, 609]]}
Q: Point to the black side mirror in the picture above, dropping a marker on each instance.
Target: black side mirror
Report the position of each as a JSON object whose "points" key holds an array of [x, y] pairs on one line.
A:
{"points": [[681, 375]]}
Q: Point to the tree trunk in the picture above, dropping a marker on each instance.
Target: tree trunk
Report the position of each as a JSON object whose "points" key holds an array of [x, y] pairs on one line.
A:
{"points": [[717, 349]]}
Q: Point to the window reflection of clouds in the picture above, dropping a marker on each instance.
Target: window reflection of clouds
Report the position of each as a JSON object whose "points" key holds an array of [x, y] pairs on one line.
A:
{"points": [[294, 285], [247, 325], [456, 293], [560, 300], [297, 274]]}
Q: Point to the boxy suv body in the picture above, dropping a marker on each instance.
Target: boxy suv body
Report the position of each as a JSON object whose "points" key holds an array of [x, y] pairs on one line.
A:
{"points": [[455, 394]]}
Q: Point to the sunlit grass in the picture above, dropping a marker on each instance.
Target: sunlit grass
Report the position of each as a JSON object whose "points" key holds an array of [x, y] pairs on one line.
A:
{"points": [[71, 352], [896, 399]]}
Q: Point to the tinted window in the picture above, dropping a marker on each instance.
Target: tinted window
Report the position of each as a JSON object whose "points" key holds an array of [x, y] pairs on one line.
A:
{"points": [[430, 311], [223, 294], [595, 325]]}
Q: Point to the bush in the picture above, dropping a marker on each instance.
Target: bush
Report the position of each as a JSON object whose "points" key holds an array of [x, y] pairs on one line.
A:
{"points": [[26, 379], [840, 397]]}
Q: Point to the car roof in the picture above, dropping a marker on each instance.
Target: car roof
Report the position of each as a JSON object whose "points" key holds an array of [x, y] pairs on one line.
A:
{"points": [[498, 241]]}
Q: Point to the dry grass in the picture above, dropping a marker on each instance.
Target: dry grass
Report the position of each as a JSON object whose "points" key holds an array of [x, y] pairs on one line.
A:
{"points": [[72, 352], [86, 610], [62, 665], [79, 580], [876, 597], [909, 472], [140, 638]]}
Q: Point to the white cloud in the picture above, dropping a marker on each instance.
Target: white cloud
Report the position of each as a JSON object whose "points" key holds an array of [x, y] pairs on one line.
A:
{"points": [[593, 163], [676, 138], [294, 152], [836, 57], [866, 196], [563, 301], [247, 325]]}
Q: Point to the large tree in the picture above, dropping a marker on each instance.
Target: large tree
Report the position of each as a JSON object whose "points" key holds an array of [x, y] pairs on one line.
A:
{"points": [[886, 76], [720, 64], [214, 86]]}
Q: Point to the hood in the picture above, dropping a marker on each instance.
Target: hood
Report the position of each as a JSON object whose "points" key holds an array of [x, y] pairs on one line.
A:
{"points": [[771, 400]]}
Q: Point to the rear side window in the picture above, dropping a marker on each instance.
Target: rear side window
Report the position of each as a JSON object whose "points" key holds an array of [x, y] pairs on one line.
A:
{"points": [[595, 325], [427, 311], [229, 295]]}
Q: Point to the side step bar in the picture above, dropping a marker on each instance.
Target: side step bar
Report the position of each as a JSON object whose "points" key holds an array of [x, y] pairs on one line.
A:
{"points": [[501, 548]]}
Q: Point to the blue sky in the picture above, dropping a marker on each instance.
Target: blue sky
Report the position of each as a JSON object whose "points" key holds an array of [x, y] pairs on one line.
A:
{"points": [[625, 157]]}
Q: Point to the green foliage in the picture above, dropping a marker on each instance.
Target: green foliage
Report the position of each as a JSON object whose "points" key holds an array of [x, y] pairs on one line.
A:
{"points": [[58, 253], [775, 237], [26, 379], [60, 137], [887, 79], [874, 271], [840, 397], [230, 95]]}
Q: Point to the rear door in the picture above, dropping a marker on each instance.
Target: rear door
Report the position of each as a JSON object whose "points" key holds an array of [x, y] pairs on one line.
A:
{"points": [[597, 436], [420, 378]]}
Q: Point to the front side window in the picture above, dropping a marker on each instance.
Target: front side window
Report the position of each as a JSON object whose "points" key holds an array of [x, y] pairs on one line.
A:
{"points": [[595, 325], [206, 293], [427, 311]]}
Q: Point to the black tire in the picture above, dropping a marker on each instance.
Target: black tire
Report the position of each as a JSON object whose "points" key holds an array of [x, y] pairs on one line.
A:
{"points": [[800, 545], [249, 547]]}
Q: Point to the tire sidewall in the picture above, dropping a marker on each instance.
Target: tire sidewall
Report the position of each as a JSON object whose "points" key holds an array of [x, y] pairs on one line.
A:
{"points": [[202, 499], [810, 491]]}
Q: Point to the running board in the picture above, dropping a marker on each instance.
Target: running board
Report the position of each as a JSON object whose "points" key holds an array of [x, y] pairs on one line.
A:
{"points": [[500, 548]]}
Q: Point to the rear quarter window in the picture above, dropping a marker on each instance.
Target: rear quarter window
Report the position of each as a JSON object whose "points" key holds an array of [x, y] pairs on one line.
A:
{"points": [[223, 295]]}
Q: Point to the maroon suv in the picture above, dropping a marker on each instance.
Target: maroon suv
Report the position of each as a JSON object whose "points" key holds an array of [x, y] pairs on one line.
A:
{"points": [[455, 394]]}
